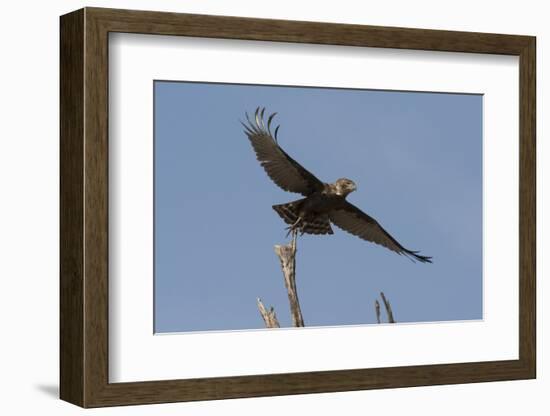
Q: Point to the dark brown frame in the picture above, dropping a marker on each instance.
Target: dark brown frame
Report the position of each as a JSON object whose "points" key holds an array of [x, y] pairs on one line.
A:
{"points": [[84, 209]]}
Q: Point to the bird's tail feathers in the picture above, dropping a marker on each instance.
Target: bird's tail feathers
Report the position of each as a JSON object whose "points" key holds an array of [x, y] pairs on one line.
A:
{"points": [[290, 212], [320, 225]]}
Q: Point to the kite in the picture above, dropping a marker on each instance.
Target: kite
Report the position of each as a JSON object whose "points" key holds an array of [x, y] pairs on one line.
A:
{"points": [[323, 203]]}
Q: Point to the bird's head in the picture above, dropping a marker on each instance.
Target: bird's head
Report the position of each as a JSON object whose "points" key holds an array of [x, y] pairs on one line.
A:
{"points": [[344, 186]]}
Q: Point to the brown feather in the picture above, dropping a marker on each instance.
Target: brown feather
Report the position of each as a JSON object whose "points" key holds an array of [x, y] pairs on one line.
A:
{"points": [[288, 174], [351, 219], [320, 225]]}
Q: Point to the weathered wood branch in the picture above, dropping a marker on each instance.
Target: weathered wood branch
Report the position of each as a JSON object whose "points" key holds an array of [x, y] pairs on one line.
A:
{"points": [[387, 305], [377, 309], [287, 256], [269, 316]]}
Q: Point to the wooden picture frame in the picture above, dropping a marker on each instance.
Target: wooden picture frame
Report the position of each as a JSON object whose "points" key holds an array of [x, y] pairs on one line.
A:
{"points": [[84, 207]]}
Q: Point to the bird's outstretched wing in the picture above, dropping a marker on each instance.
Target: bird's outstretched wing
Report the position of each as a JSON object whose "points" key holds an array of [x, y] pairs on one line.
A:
{"points": [[351, 219], [280, 167]]}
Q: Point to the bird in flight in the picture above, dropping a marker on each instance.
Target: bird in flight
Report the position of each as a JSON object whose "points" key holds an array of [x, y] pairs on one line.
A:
{"points": [[324, 203]]}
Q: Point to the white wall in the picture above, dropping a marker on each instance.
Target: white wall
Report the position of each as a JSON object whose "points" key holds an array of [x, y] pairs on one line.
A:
{"points": [[29, 206]]}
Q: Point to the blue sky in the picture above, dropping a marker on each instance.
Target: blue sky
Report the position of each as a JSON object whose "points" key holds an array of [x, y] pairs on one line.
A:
{"points": [[416, 159]]}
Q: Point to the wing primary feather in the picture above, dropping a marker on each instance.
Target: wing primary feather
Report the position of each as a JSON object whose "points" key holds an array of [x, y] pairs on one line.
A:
{"points": [[253, 126], [256, 116], [413, 255], [262, 118], [288, 174], [247, 129], [269, 120]]}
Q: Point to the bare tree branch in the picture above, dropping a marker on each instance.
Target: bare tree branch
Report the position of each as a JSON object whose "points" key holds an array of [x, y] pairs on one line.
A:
{"points": [[387, 305], [377, 309], [287, 256], [269, 316]]}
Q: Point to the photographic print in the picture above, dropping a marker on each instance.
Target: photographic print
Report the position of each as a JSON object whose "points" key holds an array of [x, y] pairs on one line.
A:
{"points": [[294, 206], [317, 193]]}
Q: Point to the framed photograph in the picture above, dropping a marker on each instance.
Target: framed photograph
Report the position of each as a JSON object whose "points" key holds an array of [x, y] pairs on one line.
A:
{"points": [[255, 207]]}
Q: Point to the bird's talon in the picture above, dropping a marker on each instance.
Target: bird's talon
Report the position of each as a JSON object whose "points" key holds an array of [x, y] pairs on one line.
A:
{"points": [[294, 228]]}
